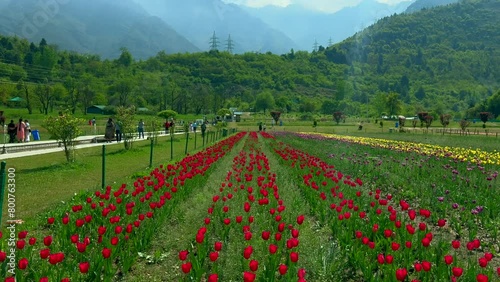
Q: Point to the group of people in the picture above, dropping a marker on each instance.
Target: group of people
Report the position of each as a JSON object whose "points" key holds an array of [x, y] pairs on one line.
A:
{"points": [[114, 130], [19, 132]]}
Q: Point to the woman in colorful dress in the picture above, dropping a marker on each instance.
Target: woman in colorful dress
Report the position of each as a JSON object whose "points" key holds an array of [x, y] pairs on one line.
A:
{"points": [[21, 127]]}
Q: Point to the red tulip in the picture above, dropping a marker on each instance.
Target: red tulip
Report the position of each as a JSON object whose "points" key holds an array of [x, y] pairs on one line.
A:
{"points": [[248, 276], [277, 236], [457, 271], [482, 278], [410, 229], [22, 234], [395, 246], [81, 247], [50, 220], [213, 277], [248, 236], [282, 269], [186, 267], [380, 259], [273, 248], [426, 266], [426, 242], [44, 253], [247, 252], [483, 262], [214, 256], [301, 273], [254, 265], [441, 222], [476, 243], [418, 267], [106, 253], [20, 244], [218, 246], [389, 259], [448, 259], [23, 263], [408, 244], [44, 279], [387, 233], [455, 244], [401, 274], [3, 256], [371, 245], [294, 257], [488, 256], [300, 219], [47, 240], [265, 235], [84, 267], [422, 226], [412, 214], [183, 255], [114, 241]]}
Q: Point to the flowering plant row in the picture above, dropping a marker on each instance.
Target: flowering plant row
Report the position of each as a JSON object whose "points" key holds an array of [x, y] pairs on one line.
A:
{"points": [[389, 239], [250, 218], [101, 236], [461, 154]]}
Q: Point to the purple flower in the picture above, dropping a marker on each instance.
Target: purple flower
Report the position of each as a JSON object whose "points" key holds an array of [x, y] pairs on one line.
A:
{"points": [[455, 206], [440, 199]]}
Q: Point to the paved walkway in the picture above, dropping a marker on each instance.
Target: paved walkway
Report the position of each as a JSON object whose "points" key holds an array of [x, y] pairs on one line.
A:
{"points": [[50, 146]]}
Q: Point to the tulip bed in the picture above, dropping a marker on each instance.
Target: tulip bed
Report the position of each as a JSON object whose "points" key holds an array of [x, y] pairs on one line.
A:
{"points": [[290, 207], [99, 236]]}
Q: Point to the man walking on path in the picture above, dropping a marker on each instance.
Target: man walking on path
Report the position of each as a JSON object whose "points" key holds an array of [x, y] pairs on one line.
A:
{"points": [[118, 131], [140, 129]]}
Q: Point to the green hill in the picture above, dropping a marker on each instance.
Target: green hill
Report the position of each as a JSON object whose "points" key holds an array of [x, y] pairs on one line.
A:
{"points": [[445, 58]]}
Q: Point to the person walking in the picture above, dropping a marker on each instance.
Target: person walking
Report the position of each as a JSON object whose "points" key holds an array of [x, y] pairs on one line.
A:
{"points": [[140, 128], [27, 131], [12, 130], [118, 131], [110, 130], [21, 126]]}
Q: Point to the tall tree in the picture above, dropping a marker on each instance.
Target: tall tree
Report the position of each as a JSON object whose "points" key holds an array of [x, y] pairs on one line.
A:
{"points": [[393, 103], [73, 96], [24, 88], [264, 101], [45, 95], [86, 91]]}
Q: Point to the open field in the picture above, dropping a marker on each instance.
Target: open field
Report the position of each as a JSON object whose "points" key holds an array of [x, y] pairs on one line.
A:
{"points": [[312, 194]]}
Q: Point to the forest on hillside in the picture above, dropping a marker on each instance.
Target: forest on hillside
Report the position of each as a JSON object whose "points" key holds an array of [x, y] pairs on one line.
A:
{"points": [[442, 60]]}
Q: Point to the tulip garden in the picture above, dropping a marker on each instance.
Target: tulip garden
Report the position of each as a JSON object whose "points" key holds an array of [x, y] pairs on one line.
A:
{"points": [[287, 207]]}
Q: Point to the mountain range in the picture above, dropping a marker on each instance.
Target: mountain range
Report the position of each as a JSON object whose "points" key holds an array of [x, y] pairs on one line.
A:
{"points": [[146, 27], [305, 27]]}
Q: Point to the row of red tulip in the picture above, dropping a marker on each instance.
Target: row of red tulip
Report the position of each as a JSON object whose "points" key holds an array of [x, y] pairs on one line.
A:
{"points": [[247, 211], [93, 239], [358, 216]]}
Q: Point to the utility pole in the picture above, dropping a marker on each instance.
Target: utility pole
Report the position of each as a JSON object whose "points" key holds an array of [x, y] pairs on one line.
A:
{"points": [[229, 44], [214, 43], [330, 42], [315, 46]]}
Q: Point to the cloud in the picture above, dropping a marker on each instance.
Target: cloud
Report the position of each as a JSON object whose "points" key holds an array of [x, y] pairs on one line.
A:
{"points": [[328, 6]]}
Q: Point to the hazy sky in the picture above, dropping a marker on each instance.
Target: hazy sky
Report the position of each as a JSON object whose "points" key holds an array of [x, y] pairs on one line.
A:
{"points": [[322, 5]]}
